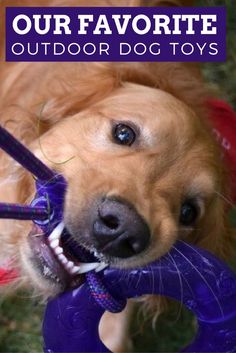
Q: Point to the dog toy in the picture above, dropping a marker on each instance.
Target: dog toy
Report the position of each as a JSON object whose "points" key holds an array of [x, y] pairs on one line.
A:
{"points": [[188, 274], [192, 276], [46, 211]]}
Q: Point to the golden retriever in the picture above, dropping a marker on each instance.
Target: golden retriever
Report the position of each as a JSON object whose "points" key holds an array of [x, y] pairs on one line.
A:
{"points": [[134, 145]]}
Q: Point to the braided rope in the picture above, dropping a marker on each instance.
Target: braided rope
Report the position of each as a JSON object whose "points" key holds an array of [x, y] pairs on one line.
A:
{"points": [[101, 294], [24, 156], [54, 186], [22, 212]]}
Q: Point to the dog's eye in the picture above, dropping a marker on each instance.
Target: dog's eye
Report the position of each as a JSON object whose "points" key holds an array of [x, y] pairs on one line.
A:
{"points": [[189, 213], [124, 135]]}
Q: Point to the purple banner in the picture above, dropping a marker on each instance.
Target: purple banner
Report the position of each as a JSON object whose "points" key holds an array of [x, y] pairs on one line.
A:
{"points": [[116, 34]]}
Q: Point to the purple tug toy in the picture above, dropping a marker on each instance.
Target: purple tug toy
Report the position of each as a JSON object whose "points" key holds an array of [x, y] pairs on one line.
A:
{"points": [[204, 284]]}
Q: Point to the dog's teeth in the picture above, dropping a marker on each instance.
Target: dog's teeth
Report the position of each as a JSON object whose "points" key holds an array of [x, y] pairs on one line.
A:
{"points": [[70, 265], [58, 250], [95, 253], [56, 233], [75, 270], [101, 267], [88, 267], [54, 244], [54, 241], [63, 259]]}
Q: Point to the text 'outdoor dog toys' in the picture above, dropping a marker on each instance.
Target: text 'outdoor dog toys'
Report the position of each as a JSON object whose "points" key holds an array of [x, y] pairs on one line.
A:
{"points": [[194, 277]]}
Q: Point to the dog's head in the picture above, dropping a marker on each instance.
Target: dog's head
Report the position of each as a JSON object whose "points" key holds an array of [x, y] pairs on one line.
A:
{"points": [[142, 171]]}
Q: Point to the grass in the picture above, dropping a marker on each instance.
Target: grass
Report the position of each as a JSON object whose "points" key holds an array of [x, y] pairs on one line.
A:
{"points": [[20, 316], [173, 331], [222, 76], [20, 325]]}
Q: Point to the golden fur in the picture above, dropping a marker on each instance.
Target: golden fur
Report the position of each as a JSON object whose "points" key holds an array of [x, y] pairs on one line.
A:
{"points": [[76, 102]]}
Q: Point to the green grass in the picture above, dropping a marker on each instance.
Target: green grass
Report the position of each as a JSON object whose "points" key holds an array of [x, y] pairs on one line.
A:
{"points": [[20, 325], [20, 317], [173, 331], [222, 76]]}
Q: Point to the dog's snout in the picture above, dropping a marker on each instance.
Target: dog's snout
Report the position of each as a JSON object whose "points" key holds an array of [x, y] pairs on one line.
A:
{"points": [[119, 230]]}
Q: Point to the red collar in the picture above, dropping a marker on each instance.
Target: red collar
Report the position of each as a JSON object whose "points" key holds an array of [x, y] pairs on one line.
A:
{"points": [[7, 276], [223, 119]]}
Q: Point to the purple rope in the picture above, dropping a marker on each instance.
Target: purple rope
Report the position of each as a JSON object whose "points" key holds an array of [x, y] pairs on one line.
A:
{"points": [[102, 296], [53, 185], [22, 212], [24, 156]]}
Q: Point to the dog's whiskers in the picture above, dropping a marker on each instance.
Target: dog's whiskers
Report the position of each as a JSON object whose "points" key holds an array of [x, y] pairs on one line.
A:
{"points": [[181, 286], [202, 277], [224, 198]]}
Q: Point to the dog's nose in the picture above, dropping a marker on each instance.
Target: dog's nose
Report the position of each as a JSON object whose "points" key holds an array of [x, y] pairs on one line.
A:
{"points": [[119, 230]]}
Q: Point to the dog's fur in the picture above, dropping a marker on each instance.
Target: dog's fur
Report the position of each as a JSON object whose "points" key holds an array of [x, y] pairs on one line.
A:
{"points": [[175, 158]]}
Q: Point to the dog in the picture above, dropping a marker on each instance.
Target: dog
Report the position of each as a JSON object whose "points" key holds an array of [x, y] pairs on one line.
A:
{"points": [[134, 144]]}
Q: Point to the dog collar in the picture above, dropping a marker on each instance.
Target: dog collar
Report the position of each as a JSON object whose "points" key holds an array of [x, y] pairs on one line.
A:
{"points": [[223, 120]]}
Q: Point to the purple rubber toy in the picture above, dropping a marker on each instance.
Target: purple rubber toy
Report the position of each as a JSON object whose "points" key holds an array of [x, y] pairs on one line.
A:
{"points": [[202, 283], [194, 277]]}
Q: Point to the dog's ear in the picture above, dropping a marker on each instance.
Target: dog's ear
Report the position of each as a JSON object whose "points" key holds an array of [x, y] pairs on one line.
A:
{"points": [[220, 236], [215, 232]]}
